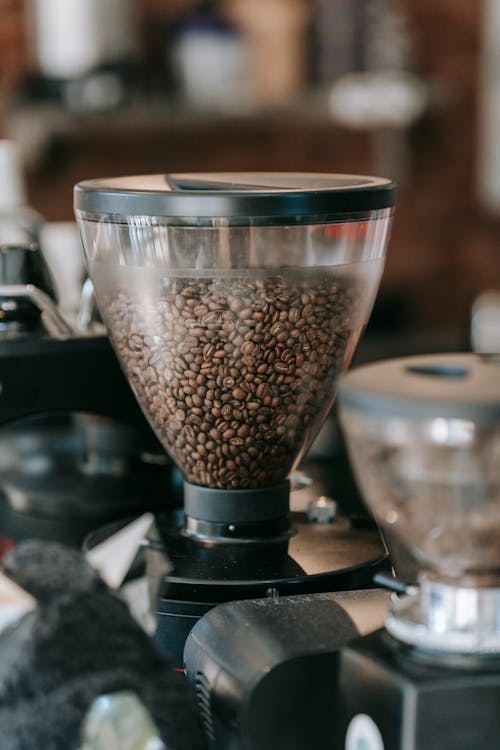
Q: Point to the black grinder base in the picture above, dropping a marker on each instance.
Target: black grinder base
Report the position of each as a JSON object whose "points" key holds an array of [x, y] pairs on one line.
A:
{"points": [[395, 697], [218, 560]]}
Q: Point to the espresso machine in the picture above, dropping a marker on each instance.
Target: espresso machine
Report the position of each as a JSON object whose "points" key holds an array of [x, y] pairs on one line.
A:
{"points": [[233, 302], [424, 439], [75, 449]]}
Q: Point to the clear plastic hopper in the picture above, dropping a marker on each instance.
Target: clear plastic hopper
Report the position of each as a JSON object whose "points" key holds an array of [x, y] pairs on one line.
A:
{"points": [[233, 303], [424, 437]]}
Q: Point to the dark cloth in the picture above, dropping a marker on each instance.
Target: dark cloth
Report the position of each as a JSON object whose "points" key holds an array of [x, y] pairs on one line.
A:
{"points": [[80, 642], [48, 570]]}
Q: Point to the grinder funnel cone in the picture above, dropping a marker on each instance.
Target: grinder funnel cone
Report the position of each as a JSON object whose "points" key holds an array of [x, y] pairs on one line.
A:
{"points": [[233, 302]]}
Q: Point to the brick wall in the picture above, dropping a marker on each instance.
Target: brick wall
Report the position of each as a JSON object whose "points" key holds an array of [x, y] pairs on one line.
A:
{"points": [[448, 246], [13, 51]]}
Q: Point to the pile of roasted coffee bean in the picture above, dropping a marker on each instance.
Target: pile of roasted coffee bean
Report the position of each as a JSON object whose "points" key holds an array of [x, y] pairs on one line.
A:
{"points": [[235, 373]]}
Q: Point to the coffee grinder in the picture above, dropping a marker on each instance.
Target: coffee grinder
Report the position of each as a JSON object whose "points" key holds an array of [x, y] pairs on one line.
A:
{"points": [[423, 434], [233, 302]]}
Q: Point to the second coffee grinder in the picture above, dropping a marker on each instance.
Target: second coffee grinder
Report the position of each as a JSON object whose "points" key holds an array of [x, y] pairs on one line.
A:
{"points": [[424, 438]]}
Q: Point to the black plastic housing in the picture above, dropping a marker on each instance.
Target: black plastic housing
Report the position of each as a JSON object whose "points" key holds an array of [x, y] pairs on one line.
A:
{"points": [[410, 699], [265, 671]]}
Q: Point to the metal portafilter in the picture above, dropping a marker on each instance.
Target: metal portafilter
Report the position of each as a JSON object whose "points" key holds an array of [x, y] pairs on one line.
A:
{"points": [[423, 434]]}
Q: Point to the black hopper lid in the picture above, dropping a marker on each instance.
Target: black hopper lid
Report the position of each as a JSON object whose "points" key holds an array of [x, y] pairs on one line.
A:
{"points": [[238, 195]]}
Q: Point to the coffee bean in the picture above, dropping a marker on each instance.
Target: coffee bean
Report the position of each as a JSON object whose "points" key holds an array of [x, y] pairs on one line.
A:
{"points": [[232, 372], [263, 390], [135, 342], [243, 430], [249, 348], [276, 328], [236, 441], [281, 366]]}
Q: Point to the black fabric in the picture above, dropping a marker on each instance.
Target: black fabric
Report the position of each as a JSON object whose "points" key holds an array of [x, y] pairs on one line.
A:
{"points": [[81, 642], [48, 570]]}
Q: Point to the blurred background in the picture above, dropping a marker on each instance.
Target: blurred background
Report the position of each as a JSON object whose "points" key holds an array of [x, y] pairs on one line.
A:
{"points": [[408, 89]]}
